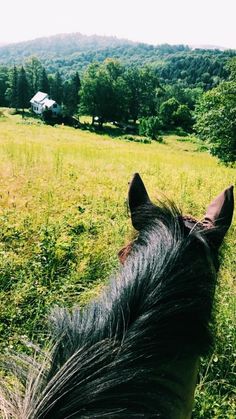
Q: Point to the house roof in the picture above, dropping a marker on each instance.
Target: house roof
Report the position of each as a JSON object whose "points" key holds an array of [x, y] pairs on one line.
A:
{"points": [[39, 97], [48, 103]]}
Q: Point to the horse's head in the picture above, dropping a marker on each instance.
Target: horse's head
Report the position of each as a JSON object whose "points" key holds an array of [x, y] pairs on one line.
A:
{"points": [[214, 224]]}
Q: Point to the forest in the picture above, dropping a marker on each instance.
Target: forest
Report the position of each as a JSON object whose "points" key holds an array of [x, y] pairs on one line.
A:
{"points": [[69, 53], [165, 88]]}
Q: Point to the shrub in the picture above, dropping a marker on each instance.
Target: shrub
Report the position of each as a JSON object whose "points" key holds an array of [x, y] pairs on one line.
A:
{"points": [[150, 127]]}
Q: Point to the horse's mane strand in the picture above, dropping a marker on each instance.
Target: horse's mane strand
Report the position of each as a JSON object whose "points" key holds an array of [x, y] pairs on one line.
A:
{"points": [[107, 359]]}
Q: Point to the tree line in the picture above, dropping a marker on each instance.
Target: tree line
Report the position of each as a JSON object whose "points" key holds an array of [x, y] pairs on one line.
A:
{"points": [[69, 53], [108, 91], [112, 92], [19, 84]]}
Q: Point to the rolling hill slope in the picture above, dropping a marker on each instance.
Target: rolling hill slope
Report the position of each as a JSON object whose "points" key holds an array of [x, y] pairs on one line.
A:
{"points": [[74, 52]]}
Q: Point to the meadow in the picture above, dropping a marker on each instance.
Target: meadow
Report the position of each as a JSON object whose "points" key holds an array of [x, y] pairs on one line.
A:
{"points": [[64, 217]]}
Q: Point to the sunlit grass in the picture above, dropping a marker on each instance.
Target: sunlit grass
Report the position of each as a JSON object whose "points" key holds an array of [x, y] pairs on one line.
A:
{"points": [[63, 218]]}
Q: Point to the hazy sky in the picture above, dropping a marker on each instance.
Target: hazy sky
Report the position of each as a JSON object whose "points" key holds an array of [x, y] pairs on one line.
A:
{"points": [[152, 21]]}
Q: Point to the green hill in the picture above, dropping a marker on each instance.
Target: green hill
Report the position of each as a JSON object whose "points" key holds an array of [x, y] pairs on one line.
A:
{"points": [[74, 52]]}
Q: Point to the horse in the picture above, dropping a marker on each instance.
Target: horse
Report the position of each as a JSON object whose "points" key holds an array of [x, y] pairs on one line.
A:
{"points": [[135, 350]]}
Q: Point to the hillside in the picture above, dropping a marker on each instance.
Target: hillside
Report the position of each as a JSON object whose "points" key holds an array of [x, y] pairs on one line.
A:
{"points": [[74, 52], [58, 46], [64, 218]]}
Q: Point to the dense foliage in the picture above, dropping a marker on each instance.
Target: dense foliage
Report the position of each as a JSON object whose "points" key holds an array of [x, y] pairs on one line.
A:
{"points": [[74, 52], [19, 84], [112, 92], [216, 118], [109, 91], [123, 82], [150, 127]]}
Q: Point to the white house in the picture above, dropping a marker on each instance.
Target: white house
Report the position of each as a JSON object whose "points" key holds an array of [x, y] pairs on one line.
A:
{"points": [[41, 102]]}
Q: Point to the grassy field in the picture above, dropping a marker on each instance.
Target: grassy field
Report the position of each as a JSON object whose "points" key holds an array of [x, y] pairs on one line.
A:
{"points": [[64, 217]]}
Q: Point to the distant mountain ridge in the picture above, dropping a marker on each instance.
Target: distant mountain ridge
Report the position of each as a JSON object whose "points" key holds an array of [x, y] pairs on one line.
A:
{"points": [[209, 47], [81, 41], [61, 43], [68, 53], [65, 45]]}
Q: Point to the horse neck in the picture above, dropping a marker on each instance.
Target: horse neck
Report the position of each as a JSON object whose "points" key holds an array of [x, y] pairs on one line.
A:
{"points": [[180, 377]]}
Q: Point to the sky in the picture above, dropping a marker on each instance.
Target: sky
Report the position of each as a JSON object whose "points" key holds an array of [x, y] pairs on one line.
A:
{"points": [[192, 22]]}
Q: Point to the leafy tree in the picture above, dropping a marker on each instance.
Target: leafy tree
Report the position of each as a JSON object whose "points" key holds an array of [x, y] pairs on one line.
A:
{"points": [[96, 93], [118, 89], [103, 92], [23, 96], [184, 95], [119, 109], [149, 84], [174, 114], [113, 68], [134, 93], [150, 127], [33, 68], [113, 93], [141, 92], [89, 94], [167, 112], [12, 90], [183, 118], [142, 84], [216, 120]]}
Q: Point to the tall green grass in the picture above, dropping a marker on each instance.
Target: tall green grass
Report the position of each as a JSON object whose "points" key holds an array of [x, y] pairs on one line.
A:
{"points": [[63, 218]]}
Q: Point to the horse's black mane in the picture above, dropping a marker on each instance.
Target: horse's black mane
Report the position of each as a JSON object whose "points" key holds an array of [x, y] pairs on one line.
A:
{"points": [[107, 354], [116, 357]]}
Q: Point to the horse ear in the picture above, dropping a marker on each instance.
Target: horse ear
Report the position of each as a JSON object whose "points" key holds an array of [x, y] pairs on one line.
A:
{"points": [[219, 214], [137, 193], [139, 201]]}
